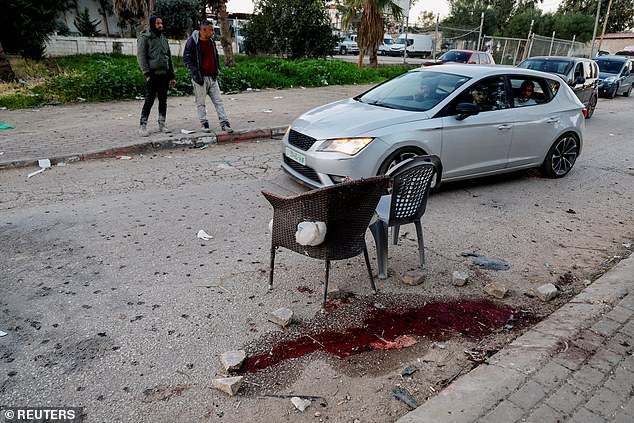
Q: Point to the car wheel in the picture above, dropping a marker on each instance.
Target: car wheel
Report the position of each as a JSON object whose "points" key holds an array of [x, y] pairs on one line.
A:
{"points": [[343, 51], [591, 106], [398, 157], [613, 93], [628, 92], [561, 157]]}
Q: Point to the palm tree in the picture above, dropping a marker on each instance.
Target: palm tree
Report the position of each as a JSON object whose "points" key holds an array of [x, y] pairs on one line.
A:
{"points": [[220, 8], [133, 8], [371, 29]]}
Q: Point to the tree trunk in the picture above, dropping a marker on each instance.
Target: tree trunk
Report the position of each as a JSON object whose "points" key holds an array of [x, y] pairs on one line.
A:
{"points": [[105, 21], [6, 72], [374, 61], [225, 33], [361, 54]]}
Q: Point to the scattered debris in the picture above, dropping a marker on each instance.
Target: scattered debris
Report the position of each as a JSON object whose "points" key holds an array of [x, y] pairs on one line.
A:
{"points": [[124, 157], [496, 290], [204, 146], [478, 355], [3, 334], [401, 394], [6, 126], [399, 343], [267, 111], [414, 277], [230, 385], [410, 370], [379, 306], [438, 345], [491, 263], [300, 404], [335, 293], [203, 235], [232, 360], [547, 292], [1, 153], [281, 316], [571, 211], [45, 163], [61, 164], [459, 278], [277, 97], [587, 282], [187, 131]]}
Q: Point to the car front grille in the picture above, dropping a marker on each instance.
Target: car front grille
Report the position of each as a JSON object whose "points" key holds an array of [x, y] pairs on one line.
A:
{"points": [[300, 168], [299, 140]]}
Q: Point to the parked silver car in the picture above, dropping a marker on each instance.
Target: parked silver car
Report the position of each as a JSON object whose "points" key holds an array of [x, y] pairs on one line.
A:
{"points": [[480, 120]]}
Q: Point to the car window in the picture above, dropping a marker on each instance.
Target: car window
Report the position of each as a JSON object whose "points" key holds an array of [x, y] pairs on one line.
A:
{"points": [[455, 56], [578, 71], [587, 70], [489, 93], [562, 67], [554, 86], [528, 91], [414, 91], [474, 59], [484, 59], [609, 66]]}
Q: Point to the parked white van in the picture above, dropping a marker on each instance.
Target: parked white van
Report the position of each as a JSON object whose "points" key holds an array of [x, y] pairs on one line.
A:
{"points": [[418, 45]]}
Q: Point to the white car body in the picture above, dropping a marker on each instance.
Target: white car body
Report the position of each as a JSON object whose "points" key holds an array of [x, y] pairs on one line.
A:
{"points": [[486, 143]]}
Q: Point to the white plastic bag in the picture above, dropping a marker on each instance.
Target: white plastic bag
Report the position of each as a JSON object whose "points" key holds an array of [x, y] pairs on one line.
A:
{"points": [[310, 233]]}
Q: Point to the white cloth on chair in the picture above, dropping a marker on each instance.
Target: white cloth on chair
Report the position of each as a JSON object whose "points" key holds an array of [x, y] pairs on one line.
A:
{"points": [[310, 233]]}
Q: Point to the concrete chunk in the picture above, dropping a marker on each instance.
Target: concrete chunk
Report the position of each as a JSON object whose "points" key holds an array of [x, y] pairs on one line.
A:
{"points": [[230, 385], [547, 292], [300, 404], [232, 360], [414, 277], [281, 316], [496, 290], [459, 278]]}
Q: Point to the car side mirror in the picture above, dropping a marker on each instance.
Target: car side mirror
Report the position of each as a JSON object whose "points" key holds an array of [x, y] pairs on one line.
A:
{"points": [[466, 109], [580, 80]]}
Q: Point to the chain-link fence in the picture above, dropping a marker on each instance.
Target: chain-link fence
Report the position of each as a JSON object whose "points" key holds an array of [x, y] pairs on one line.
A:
{"points": [[505, 50]]}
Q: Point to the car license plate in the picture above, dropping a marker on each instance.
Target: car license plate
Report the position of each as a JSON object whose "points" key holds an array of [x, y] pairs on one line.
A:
{"points": [[293, 155]]}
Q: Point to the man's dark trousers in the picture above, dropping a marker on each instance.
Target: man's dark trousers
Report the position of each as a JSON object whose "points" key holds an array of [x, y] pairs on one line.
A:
{"points": [[157, 85]]}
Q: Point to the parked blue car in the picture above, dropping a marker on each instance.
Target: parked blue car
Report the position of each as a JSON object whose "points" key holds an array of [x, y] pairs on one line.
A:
{"points": [[615, 75]]}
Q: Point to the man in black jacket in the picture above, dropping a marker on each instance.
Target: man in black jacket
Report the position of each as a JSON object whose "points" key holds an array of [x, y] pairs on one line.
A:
{"points": [[201, 59], [155, 60]]}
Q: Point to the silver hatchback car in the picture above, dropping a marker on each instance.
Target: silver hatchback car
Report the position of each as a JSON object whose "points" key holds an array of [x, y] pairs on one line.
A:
{"points": [[480, 120]]}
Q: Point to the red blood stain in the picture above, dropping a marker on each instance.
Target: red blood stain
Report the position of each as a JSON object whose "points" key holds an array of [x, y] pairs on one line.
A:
{"points": [[435, 321]]}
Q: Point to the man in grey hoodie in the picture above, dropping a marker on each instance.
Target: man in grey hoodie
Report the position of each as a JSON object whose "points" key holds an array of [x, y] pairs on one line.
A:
{"points": [[200, 56], [155, 60]]}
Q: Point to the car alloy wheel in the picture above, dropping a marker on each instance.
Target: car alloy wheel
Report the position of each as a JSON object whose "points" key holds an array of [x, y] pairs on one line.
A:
{"points": [[398, 157], [561, 156], [628, 92]]}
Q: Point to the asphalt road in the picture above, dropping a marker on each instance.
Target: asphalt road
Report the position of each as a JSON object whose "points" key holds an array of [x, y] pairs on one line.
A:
{"points": [[111, 302]]}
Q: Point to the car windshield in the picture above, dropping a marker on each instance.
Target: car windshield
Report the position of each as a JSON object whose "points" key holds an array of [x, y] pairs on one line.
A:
{"points": [[609, 66], [414, 91], [455, 56], [562, 67], [388, 41]]}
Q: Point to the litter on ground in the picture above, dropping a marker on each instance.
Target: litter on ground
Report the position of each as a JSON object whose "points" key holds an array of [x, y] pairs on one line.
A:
{"points": [[203, 235]]}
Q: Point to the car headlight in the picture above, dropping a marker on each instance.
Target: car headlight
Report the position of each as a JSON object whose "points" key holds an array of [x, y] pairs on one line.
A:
{"points": [[349, 146], [287, 131], [610, 79]]}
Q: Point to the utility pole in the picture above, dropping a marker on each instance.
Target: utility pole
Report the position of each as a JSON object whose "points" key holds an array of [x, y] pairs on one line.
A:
{"points": [[480, 33], [527, 50], [594, 32], [436, 36], [552, 41], [605, 24]]}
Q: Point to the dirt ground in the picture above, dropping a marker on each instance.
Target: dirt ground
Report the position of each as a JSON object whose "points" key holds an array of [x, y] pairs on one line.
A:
{"points": [[111, 303]]}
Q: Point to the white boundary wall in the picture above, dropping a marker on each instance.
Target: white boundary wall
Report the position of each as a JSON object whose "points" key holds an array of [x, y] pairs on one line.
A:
{"points": [[58, 45]]}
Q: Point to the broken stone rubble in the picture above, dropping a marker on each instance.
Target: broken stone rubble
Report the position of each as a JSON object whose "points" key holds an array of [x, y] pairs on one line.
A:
{"points": [[496, 290], [281, 316], [459, 278], [230, 385], [547, 291], [232, 360], [414, 277]]}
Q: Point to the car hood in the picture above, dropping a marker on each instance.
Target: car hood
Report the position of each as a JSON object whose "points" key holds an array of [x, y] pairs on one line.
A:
{"points": [[604, 75], [351, 118]]}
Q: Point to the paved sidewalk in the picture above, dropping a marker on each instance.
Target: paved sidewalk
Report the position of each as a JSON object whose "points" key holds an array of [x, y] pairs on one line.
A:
{"points": [[577, 365], [81, 131]]}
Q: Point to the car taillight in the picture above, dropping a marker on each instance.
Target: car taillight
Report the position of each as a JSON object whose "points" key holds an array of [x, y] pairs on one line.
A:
{"points": [[585, 113]]}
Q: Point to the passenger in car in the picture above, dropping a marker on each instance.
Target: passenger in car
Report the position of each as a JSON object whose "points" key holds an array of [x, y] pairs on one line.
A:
{"points": [[426, 90], [480, 97], [526, 93]]}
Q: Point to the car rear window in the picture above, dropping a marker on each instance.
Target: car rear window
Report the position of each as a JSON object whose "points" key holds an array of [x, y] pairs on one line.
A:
{"points": [[455, 56], [562, 67]]}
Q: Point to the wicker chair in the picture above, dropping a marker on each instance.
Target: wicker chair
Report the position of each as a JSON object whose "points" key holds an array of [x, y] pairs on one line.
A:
{"points": [[412, 183], [346, 208]]}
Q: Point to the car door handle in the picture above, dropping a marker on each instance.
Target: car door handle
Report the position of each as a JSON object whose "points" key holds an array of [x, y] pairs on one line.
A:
{"points": [[553, 120], [503, 127]]}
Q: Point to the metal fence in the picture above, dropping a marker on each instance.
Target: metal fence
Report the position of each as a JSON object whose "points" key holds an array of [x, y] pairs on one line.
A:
{"points": [[505, 50]]}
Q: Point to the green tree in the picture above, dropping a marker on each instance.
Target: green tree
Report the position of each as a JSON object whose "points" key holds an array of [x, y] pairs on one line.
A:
{"points": [[178, 16], [371, 27], [86, 26], [621, 12], [293, 28], [426, 19], [26, 24]]}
